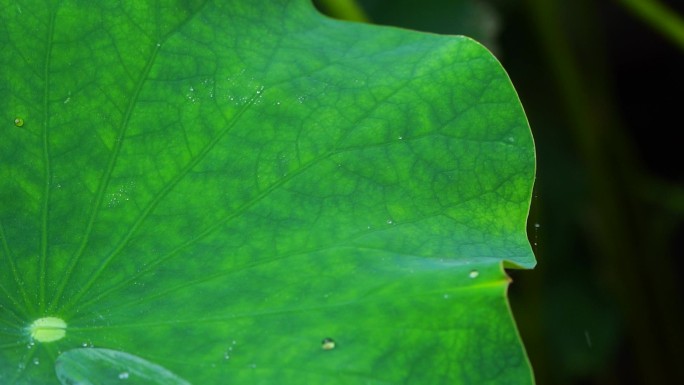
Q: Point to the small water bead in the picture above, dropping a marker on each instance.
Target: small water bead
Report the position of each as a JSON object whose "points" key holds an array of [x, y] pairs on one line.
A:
{"points": [[18, 122], [473, 274], [36, 361], [123, 375], [328, 344]]}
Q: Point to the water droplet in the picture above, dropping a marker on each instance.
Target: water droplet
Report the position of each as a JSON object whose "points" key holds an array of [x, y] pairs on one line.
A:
{"points": [[36, 361], [328, 344], [123, 375], [234, 342], [253, 366], [401, 137], [226, 356], [510, 139], [48, 329], [537, 225], [18, 122], [446, 296], [473, 274], [389, 222]]}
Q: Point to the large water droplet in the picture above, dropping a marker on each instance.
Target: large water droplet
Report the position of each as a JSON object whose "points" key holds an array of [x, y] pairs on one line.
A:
{"points": [[48, 329]]}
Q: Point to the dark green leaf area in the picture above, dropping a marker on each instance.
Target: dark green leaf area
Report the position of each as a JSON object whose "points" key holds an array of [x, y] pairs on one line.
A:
{"points": [[215, 188]]}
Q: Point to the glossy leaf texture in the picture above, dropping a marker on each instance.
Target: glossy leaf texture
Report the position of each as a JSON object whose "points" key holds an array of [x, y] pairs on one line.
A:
{"points": [[94, 366], [215, 187]]}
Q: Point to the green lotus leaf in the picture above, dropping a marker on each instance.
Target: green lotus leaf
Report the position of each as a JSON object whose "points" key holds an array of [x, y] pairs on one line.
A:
{"points": [[248, 192]]}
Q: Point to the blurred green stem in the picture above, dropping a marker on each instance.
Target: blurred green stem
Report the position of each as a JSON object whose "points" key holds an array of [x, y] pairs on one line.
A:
{"points": [[659, 17], [641, 279], [344, 9]]}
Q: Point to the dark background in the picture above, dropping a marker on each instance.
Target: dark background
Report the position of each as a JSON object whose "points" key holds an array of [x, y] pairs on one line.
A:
{"points": [[604, 94]]}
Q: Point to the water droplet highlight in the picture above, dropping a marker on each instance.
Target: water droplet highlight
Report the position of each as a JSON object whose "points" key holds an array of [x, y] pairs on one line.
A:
{"points": [[123, 375], [473, 274], [18, 122], [48, 329], [328, 344]]}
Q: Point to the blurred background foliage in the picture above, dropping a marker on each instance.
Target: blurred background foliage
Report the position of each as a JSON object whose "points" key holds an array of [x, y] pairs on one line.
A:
{"points": [[602, 83]]}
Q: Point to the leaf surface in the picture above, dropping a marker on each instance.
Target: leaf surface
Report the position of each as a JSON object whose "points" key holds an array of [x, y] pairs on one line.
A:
{"points": [[216, 187], [95, 366]]}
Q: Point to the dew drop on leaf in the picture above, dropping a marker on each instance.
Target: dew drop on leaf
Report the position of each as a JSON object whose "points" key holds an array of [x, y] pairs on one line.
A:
{"points": [[47, 329], [328, 344]]}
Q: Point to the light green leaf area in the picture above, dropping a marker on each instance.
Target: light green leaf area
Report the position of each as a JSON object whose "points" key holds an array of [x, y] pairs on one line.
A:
{"points": [[97, 366], [213, 188]]}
